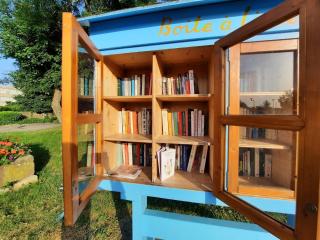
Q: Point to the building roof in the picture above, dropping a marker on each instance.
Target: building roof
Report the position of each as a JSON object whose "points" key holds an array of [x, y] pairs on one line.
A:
{"points": [[146, 9]]}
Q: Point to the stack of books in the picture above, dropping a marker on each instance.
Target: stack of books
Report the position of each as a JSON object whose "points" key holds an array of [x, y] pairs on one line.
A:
{"points": [[85, 87], [183, 84], [131, 122], [134, 154], [190, 158], [192, 122], [255, 163], [137, 85]]}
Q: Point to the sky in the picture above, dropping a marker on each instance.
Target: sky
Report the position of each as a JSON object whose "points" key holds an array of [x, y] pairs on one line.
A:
{"points": [[6, 66]]}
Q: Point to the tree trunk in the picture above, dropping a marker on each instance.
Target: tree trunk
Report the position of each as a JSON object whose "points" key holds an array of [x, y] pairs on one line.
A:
{"points": [[56, 104]]}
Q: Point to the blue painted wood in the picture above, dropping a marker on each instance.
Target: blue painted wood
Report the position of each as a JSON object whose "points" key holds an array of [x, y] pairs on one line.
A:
{"points": [[174, 25], [157, 224], [129, 191], [191, 26]]}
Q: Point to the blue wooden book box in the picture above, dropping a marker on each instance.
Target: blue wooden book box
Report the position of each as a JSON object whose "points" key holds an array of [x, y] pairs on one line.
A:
{"points": [[167, 39]]}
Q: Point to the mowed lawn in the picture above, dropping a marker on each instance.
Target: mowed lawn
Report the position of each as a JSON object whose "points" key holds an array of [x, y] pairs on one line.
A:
{"points": [[33, 212]]}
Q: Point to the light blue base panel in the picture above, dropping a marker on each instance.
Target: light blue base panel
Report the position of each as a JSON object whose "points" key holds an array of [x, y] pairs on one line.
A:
{"points": [[150, 224]]}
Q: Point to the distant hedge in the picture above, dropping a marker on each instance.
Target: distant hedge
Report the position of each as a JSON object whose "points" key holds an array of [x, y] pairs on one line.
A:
{"points": [[9, 117]]}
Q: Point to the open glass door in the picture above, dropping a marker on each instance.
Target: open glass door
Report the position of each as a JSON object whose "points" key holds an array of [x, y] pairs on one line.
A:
{"points": [[81, 117], [265, 76]]}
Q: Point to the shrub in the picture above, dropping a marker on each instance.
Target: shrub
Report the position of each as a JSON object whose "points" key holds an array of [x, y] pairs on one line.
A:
{"points": [[9, 117], [10, 151], [11, 106]]}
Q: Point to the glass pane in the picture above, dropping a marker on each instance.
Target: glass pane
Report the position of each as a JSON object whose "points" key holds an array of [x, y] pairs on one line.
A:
{"points": [[86, 81], [262, 162], [267, 82], [86, 154], [262, 72]]}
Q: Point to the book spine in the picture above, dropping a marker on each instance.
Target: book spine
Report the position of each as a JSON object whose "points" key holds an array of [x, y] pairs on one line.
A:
{"points": [[136, 85], [120, 121], [164, 86], [191, 79], [125, 153], [164, 121], [134, 152], [138, 154], [169, 123], [184, 123], [150, 84], [192, 123], [176, 127], [132, 87], [130, 153], [119, 87], [195, 123], [191, 157], [135, 122], [268, 165], [143, 85], [256, 162], [199, 122], [203, 158], [179, 123], [131, 122], [120, 154]]}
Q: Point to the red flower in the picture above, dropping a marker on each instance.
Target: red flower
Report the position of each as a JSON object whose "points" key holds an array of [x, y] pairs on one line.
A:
{"points": [[21, 152], [9, 144], [13, 151]]}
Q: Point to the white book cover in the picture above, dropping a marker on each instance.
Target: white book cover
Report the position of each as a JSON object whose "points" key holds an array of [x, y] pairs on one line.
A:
{"points": [[167, 163], [268, 165], [136, 85], [203, 158], [130, 153], [159, 159], [256, 162], [143, 87], [191, 79]]}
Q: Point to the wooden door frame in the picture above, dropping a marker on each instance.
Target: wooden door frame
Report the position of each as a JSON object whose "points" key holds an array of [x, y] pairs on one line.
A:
{"points": [[307, 121], [234, 55], [72, 34]]}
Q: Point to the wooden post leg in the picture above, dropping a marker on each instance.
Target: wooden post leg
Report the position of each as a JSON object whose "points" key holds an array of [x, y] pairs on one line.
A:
{"points": [[138, 207]]}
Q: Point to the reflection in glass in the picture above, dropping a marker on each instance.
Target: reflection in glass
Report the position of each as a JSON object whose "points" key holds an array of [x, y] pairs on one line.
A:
{"points": [[86, 154], [86, 81], [264, 162], [267, 83]]}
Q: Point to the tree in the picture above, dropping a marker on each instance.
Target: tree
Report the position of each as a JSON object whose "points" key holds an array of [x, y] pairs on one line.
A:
{"points": [[30, 33]]}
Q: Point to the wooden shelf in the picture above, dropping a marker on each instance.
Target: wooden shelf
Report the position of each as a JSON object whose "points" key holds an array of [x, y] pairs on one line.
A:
{"points": [[147, 98], [184, 98], [188, 180], [143, 178], [181, 179], [262, 143], [187, 140], [262, 93], [138, 138], [261, 186]]}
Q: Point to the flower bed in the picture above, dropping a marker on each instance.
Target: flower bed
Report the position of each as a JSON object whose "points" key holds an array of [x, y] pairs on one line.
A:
{"points": [[16, 162], [10, 151]]}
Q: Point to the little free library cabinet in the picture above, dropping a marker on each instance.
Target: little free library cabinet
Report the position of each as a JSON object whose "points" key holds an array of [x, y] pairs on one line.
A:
{"points": [[232, 86]]}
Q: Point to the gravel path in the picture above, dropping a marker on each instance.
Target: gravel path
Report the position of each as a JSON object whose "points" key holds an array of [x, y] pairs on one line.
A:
{"points": [[27, 127]]}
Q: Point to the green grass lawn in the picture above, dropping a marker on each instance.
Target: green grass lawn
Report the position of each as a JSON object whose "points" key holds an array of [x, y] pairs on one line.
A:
{"points": [[32, 212]]}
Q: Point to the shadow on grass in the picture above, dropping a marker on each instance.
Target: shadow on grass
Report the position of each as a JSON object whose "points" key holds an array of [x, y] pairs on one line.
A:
{"points": [[98, 218], [41, 156], [81, 230]]}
